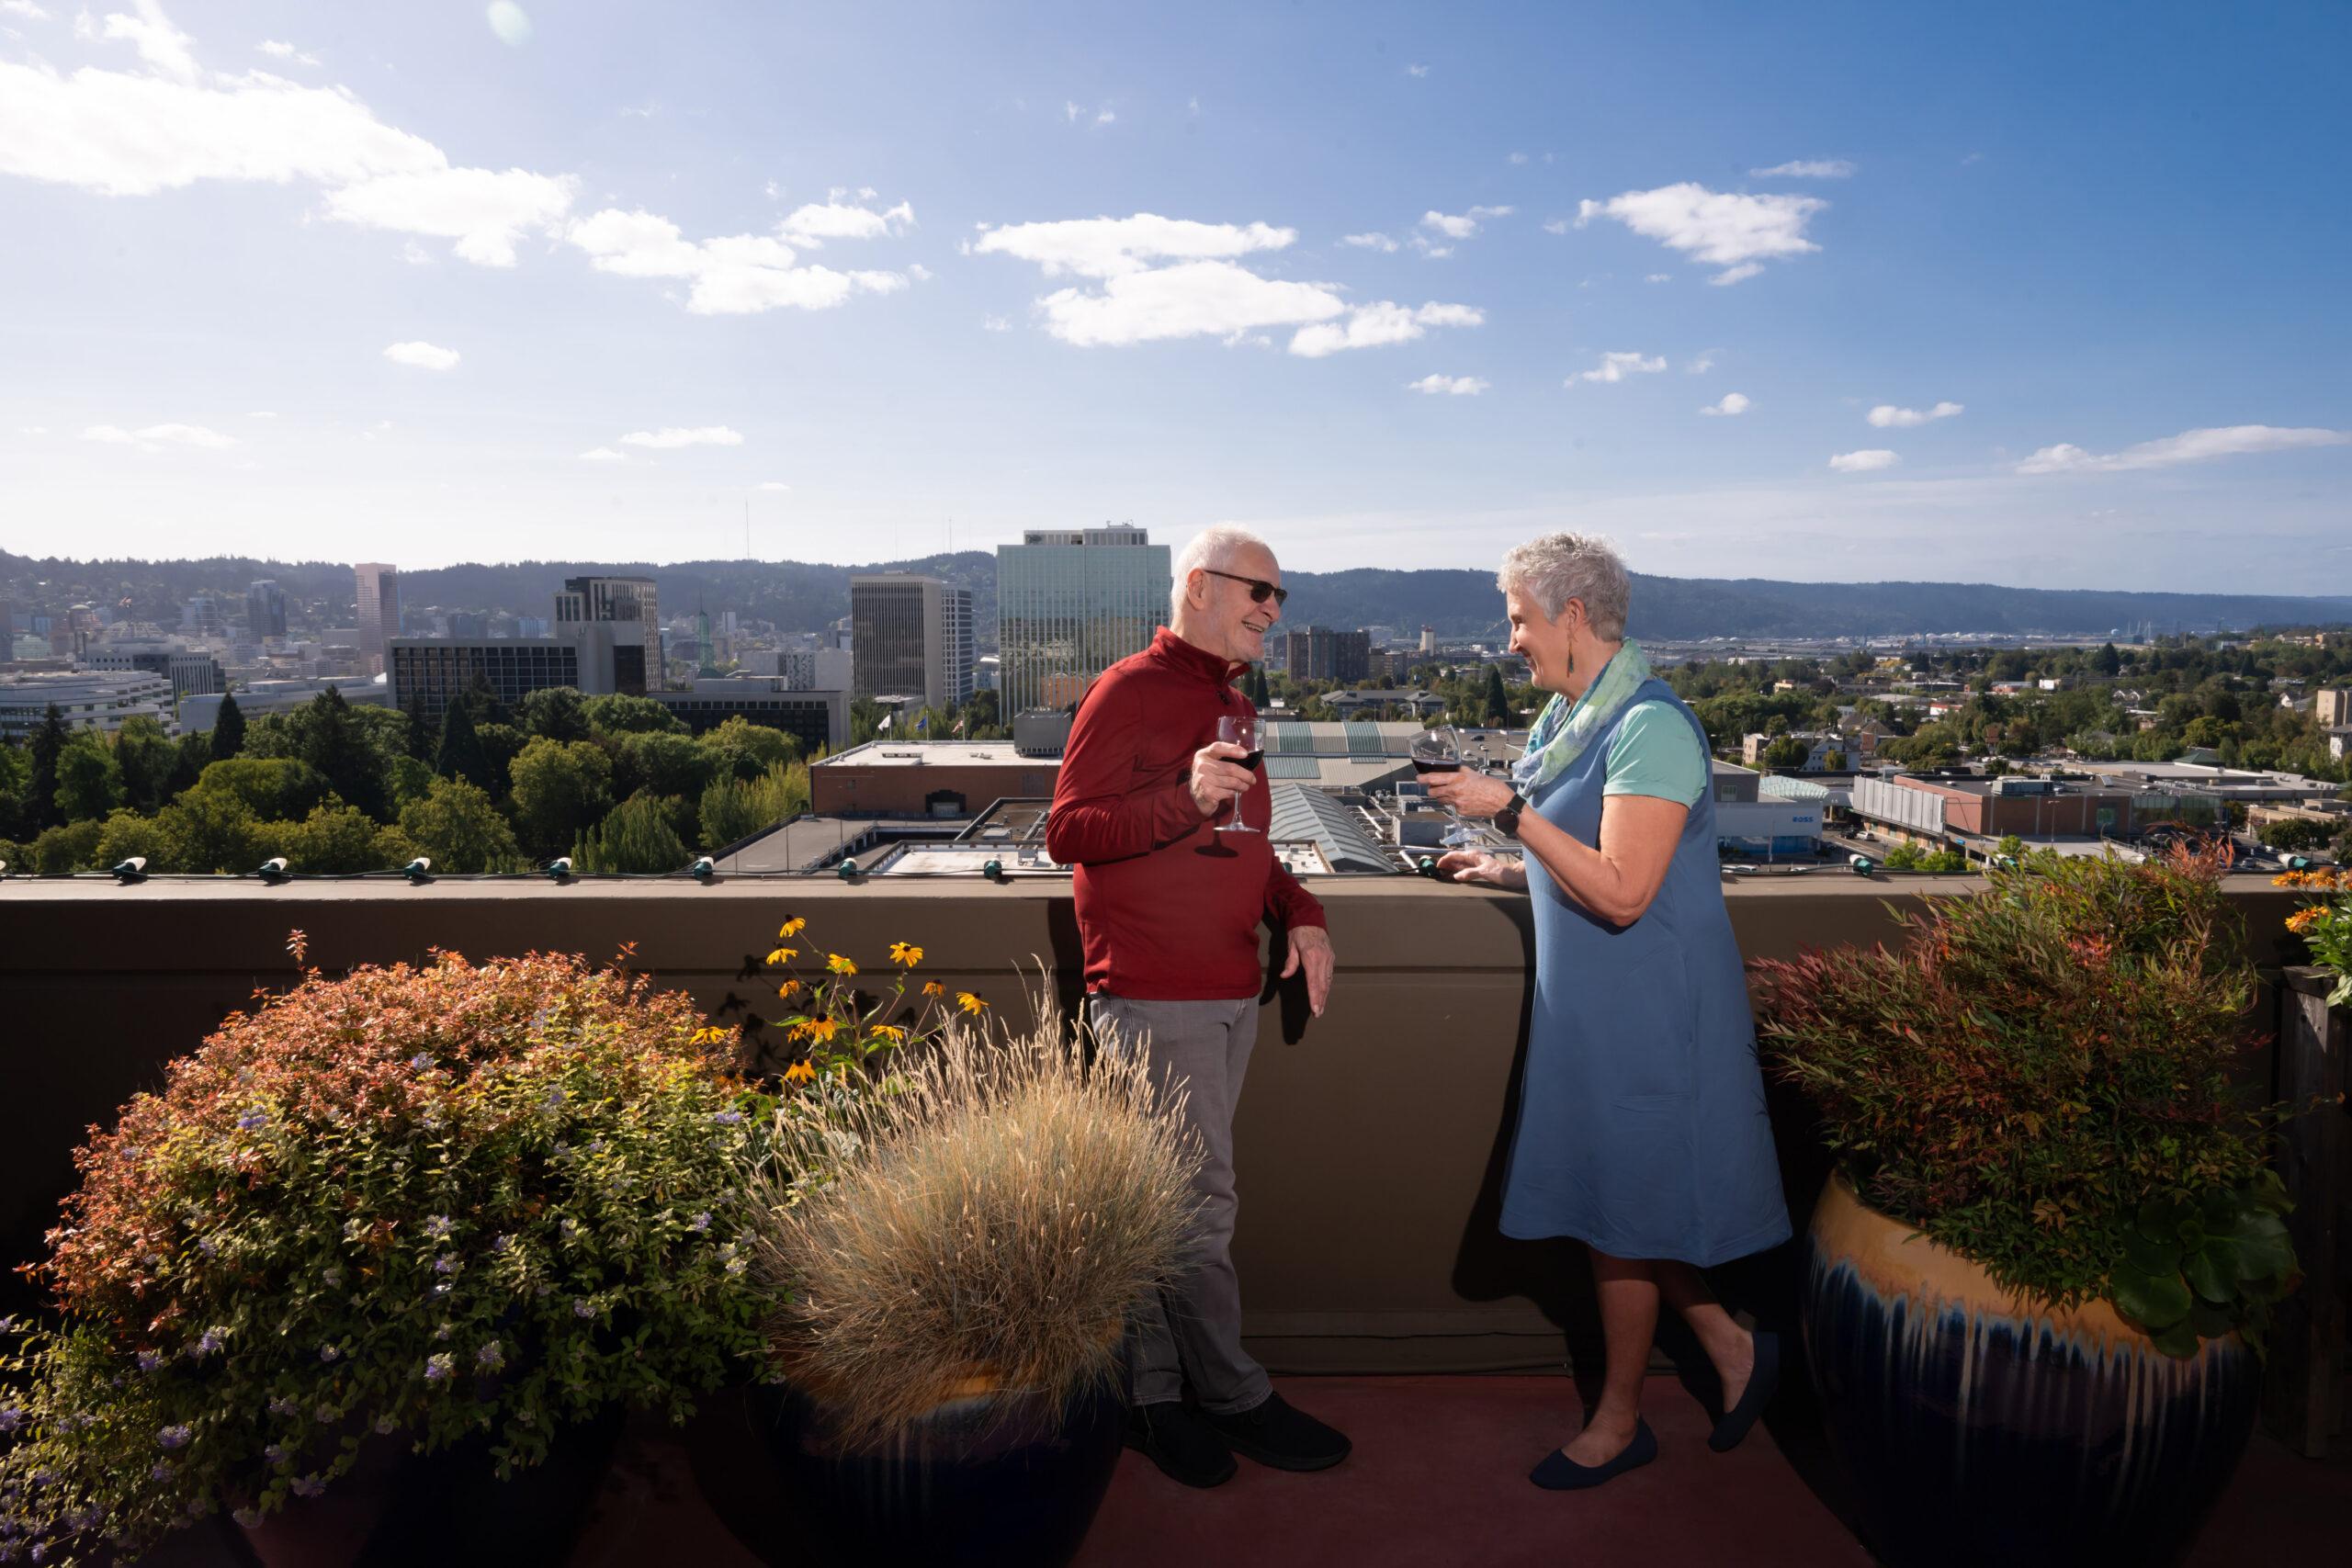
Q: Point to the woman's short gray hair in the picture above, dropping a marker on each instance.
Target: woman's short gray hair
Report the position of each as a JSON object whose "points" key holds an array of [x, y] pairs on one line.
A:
{"points": [[1560, 567], [1211, 549]]}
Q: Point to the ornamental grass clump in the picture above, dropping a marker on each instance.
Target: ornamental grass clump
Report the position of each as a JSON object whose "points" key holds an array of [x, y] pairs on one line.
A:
{"points": [[432, 1204], [985, 1222], [2040, 1080]]}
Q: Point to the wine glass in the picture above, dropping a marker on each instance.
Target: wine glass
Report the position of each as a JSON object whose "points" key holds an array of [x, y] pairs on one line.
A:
{"points": [[1240, 729], [1438, 751]]}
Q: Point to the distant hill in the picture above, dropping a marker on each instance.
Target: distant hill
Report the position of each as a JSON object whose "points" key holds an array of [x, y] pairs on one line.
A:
{"points": [[801, 596]]}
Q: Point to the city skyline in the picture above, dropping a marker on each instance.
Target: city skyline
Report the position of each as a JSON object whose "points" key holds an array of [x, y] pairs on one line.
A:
{"points": [[1820, 296]]}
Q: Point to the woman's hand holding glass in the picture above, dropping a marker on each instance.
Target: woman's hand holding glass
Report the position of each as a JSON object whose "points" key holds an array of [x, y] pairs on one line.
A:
{"points": [[1468, 794]]}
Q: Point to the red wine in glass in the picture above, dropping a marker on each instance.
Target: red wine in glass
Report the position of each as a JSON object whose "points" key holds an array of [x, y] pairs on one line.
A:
{"points": [[1240, 729]]}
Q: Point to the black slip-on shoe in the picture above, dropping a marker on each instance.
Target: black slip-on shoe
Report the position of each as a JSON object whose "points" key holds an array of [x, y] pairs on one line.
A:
{"points": [[1277, 1433], [1558, 1473], [1180, 1443], [1762, 1383]]}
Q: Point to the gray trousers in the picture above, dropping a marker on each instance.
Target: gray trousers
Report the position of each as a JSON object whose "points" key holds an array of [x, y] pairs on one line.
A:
{"points": [[1190, 1331]]}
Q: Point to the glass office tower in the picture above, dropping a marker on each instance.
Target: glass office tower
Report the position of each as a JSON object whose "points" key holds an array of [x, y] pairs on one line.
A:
{"points": [[1071, 602]]}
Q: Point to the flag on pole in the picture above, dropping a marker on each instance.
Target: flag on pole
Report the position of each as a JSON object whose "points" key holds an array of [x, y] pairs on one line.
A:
{"points": [[922, 720]]}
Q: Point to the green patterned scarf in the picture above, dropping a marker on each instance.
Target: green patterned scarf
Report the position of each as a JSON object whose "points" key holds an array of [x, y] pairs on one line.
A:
{"points": [[1564, 729]]}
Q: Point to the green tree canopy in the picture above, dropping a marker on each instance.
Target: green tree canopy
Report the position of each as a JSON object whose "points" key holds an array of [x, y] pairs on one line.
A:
{"points": [[635, 836], [555, 713], [147, 758], [209, 830], [560, 789], [620, 714], [89, 782], [748, 750], [331, 841], [48, 743], [461, 754], [229, 727], [456, 825], [269, 787], [664, 763]]}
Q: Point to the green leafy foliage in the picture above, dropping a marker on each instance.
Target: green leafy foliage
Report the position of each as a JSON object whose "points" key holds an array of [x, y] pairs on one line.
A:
{"points": [[427, 1203], [456, 825], [635, 837], [2040, 1080]]}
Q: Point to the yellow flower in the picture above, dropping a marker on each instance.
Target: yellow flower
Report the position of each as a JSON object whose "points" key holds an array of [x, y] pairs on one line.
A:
{"points": [[798, 1030], [789, 989], [970, 1002], [933, 988], [2304, 919], [839, 965], [904, 953], [792, 927], [889, 1031], [822, 1029], [707, 1036], [800, 1072], [784, 955]]}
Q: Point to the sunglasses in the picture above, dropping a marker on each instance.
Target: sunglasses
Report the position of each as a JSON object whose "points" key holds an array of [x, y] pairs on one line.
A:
{"points": [[1258, 588]]}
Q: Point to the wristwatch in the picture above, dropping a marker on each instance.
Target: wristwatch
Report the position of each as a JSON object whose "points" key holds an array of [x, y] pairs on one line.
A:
{"points": [[1506, 819]]}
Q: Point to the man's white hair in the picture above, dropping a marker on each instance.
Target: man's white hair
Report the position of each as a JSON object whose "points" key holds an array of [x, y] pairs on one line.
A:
{"points": [[1213, 550], [1560, 567]]}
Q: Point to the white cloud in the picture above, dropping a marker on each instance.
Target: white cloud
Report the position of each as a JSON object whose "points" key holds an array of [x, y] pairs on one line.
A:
{"points": [[483, 210], [1105, 118], [1701, 364], [812, 225], [1449, 386], [1461, 226], [1373, 241], [1187, 299], [1739, 274], [1555, 226], [263, 414], [1886, 416], [1069, 112], [669, 438], [1617, 366], [736, 275], [24, 8], [1658, 277], [1416, 71], [155, 437], [1378, 325], [994, 323], [422, 356], [162, 46], [772, 484], [1864, 462], [2188, 447], [1731, 403], [32, 429], [510, 22], [1721, 229], [603, 454], [277, 50], [1113, 247], [1807, 169], [1519, 157]]}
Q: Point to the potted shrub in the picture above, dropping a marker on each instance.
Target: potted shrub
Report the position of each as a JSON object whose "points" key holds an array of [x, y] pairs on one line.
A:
{"points": [[2038, 1281], [386, 1238], [951, 1260]]}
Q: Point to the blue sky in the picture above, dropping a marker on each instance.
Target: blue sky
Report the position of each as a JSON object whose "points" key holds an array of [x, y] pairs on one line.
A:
{"points": [[2046, 295]]}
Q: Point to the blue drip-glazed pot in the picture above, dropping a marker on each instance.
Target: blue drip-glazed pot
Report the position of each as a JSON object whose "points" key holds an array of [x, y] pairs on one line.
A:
{"points": [[1982, 1427]]}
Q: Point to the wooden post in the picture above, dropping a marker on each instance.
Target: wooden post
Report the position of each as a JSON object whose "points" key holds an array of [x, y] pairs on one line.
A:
{"points": [[2304, 1394]]}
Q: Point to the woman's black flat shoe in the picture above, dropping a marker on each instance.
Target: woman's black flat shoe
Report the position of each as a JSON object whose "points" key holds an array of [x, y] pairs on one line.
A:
{"points": [[1762, 1383], [1558, 1473]]}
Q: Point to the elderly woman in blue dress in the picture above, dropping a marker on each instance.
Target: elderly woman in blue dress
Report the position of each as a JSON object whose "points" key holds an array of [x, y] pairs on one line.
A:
{"points": [[1642, 1129]]}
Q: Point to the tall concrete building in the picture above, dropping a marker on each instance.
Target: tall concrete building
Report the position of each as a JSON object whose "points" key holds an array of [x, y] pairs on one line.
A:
{"points": [[380, 612], [2331, 706], [1071, 602], [911, 637], [624, 611], [265, 610], [1319, 653]]}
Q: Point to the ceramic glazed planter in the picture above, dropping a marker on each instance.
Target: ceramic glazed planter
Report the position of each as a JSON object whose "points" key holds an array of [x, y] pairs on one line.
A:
{"points": [[1982, 1429], [991, 1479]]}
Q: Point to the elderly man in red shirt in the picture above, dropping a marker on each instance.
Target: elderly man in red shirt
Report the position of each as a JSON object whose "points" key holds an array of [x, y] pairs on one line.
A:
{"points": [[1169, 908]]}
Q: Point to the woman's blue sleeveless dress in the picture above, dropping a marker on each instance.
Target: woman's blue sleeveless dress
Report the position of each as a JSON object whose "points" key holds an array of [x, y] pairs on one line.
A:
{"points": [[1642, 1127]]}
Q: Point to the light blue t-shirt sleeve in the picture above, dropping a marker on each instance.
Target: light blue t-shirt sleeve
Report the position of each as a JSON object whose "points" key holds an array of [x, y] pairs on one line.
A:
{"points": [[1657, 753]]}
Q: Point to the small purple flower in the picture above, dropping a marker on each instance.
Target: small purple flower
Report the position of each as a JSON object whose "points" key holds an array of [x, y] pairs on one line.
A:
{"points": [[581, 1307], [275, 1453], [386, 1426], [330, 1353], [437, 1226], [554, 1099], [207, 1246], [333, 1277], [727, 1118], [207, 1343], [282, 1406], [150, 1359], [701, 1222], [566, 1229], [499, 1243], [446, 1264], [489, 1356], [253, 1121], [420, 1062], [161, 1471], [309, 1486], [41, 1551], [437, 1367], [325, 1415], [7, 1322], [173, 1437], [249, 1518]]}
